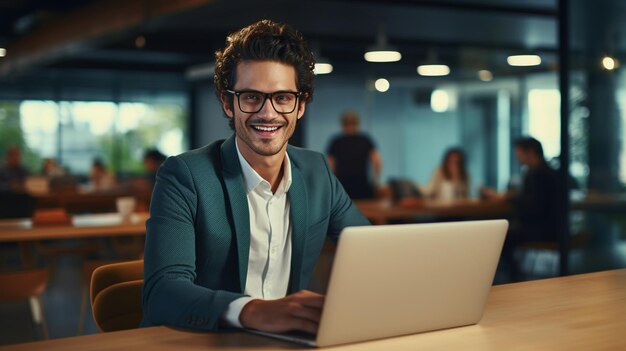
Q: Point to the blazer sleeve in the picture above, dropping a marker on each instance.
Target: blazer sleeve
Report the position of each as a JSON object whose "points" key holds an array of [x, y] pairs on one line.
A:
{"points": [[170, 296], [343, 212]]}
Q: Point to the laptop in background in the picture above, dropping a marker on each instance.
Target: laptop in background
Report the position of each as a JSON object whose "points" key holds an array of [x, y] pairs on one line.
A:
{"points": [[403, 279]]}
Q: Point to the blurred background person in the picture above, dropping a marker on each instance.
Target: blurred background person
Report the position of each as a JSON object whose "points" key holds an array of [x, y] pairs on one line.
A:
{"points": [[50, 168], [12, 173], [351, 155], [450, 180], [152, 160], [100, 177], [537, 215]]}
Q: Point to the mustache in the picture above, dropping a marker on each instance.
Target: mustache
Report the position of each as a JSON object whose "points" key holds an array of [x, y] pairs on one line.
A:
{"points": [[278, 121]]}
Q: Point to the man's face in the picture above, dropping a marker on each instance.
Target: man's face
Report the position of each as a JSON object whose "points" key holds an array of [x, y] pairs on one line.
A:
{"points": [[266, 132], [522, 155]]}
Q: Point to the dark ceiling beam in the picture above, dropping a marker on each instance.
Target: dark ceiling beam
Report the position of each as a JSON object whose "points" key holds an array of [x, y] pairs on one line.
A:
{"points": [[463, 7], [86, 27]]}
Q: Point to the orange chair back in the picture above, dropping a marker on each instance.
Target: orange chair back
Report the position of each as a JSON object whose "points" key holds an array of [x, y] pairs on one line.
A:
{"points": [[116, 295], [22, 285]]}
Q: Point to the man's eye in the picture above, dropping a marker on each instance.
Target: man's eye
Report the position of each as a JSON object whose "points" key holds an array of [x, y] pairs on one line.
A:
{"points": [[251, 97], [283, 98]]}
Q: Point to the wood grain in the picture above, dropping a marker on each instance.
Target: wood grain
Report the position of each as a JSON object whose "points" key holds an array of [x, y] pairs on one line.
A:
{"points": [[582, 312]]}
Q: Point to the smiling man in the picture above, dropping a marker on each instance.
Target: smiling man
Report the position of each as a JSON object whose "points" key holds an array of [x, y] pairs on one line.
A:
{"points": [[236, 227]]}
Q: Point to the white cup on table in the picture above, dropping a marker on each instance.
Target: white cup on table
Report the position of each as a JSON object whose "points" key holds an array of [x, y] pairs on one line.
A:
{"points": [[125, 206]]}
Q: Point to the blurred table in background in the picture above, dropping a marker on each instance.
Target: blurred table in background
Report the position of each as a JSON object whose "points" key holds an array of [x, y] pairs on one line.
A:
{"points": [[107, 225], [82, 226], [383, 211], [600, 202]]}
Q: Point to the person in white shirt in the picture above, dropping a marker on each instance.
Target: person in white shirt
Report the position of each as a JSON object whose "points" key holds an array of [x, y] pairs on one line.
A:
{"points": [[450, 181]]}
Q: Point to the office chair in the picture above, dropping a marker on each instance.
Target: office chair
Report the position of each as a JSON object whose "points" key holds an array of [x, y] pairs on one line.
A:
{"points": [[116, 295], [27, 285]]}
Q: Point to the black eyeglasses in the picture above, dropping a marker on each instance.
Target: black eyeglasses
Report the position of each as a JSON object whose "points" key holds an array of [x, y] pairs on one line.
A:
{"points": [[251, 101]]}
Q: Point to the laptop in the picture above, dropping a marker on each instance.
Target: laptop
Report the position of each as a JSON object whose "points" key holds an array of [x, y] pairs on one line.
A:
{"points": [[403, 279]]}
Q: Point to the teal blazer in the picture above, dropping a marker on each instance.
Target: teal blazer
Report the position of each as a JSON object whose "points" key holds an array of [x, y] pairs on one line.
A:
{"points": [[198, 234]]}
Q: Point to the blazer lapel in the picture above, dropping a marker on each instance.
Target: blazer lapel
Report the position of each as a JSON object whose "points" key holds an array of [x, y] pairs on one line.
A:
{"points": [[235, 187], [299, 218]]}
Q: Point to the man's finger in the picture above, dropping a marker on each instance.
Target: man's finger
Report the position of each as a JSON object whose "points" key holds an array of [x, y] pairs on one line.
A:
{"points": [[308, 298], [312, 314], [304, 325]]}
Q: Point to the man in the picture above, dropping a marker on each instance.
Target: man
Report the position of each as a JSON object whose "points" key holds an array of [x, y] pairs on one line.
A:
{"points": [[536, 201], [13, 174], [537, 213], [350, 156], [235, 227], [152, 160]]}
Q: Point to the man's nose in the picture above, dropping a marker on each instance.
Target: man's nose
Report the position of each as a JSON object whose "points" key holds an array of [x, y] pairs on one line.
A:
{"points": [[267, 108]]}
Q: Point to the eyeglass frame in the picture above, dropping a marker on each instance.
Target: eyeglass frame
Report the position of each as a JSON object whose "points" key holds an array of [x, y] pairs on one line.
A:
{"points": [[298, 94]]}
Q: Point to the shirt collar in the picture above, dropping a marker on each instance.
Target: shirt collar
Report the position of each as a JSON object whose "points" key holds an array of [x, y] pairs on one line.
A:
{"points": [[252, 179]]}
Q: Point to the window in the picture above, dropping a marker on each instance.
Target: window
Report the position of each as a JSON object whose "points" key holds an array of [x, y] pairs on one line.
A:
{"points": [[77, 132], [544, 119]]}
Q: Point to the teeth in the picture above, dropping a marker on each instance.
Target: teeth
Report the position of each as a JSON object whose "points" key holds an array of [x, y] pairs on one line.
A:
{"points": [[265, 129]]}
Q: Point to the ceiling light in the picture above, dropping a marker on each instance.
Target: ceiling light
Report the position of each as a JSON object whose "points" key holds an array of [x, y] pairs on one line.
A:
{"points": [[523, 60], [439, 100], [382, 56], [485, 75], [381, 84], [609, 63], [433, 70], [3, 52], [382, 52], [322, 68], [322, 64]]}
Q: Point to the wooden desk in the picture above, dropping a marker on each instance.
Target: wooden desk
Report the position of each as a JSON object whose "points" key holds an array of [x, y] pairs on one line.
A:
{"points": [[83, 226], [383, 211], [583, 312]]}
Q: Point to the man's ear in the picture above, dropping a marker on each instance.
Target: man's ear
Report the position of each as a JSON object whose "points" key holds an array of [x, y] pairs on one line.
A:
{"points": [[301, 108], [226, 105]]}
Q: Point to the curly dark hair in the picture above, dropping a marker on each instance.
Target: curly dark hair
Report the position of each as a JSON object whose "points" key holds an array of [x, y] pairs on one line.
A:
{"points": [[265, 40]]}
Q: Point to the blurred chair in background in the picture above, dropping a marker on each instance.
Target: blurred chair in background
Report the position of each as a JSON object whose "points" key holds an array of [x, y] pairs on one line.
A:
{"points": [[27, 285], [16, 205]]}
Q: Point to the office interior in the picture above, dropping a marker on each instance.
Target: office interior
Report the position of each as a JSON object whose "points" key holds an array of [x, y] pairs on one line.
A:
{"points": [[109, 79]]}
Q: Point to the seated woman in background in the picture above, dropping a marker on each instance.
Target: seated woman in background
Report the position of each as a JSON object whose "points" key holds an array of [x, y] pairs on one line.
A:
{"points": [[450, 181], [100, 177]]}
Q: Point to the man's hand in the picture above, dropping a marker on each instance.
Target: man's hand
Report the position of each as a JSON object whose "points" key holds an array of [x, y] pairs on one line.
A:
{"points": [[298, 311]]}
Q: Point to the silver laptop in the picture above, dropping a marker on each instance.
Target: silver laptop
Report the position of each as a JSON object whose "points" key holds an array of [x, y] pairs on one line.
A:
{"points": [[403, 279]]}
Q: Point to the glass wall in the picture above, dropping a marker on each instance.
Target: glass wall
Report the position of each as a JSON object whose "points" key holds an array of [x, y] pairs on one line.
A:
{"points": [[78, 132], [596, 131]]}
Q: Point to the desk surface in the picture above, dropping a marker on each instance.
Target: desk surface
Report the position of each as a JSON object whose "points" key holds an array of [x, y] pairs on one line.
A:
{"points": [[583, 312], [83, 226]]}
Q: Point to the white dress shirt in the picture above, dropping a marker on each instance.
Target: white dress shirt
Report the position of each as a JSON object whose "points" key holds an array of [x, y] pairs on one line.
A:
{"points": [[269, 259]]}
